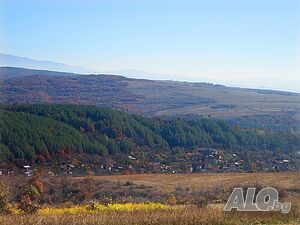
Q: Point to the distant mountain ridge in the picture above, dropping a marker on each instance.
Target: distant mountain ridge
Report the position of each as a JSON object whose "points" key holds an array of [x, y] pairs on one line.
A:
{"points": [[282, 83], [7, 60]]}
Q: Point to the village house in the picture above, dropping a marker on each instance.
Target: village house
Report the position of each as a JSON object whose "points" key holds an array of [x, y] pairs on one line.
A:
{"points": [[10, 172], [51, 173], [131, 157], [28, 172]]}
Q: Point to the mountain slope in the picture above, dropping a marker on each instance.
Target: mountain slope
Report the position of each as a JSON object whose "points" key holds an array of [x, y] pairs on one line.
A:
{"points": [[8, 72], [43, 133], [155, 98], [26, 136]]}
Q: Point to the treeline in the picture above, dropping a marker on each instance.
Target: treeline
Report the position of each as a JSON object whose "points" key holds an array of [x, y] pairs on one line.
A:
{"points": [[43, 131]]}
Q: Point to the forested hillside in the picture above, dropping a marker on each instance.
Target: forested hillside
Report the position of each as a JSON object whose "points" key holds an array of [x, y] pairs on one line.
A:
{"points": [[42, 132], [26, 136]]}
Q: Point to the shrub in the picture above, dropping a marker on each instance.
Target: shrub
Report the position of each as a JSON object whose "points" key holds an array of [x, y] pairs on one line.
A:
{"points": [[26, 204], [200, 201], [27, 200], [107, 201], [92, 206], [4, 202], [128, 183], [172, 200]]}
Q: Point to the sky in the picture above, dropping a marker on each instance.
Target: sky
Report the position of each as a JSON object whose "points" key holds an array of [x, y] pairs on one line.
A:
{"points": [[253, 43]]}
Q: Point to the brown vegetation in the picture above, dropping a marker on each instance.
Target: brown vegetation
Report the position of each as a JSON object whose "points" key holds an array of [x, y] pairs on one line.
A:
{"points": [[185, 215], [199, 198], [169, 182]]}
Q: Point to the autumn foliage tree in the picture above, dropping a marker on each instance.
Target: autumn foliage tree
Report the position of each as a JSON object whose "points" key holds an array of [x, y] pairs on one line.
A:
{"points": [[37, 182], [30, 196], [27, 198]]}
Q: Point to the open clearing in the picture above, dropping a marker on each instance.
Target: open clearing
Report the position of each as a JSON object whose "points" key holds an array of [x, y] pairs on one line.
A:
{"points": [[169, 182]]}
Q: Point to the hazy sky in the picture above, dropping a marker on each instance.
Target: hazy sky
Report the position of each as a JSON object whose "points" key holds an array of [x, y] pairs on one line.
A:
{"points": [[230, 40]]}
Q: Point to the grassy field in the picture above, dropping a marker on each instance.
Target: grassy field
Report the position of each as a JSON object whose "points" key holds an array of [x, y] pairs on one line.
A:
{"points": [[182, 98], [171, 212], [169, 182], [184, 215]]}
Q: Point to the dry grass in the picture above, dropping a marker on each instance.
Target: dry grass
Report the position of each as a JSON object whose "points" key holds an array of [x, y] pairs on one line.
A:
{"points": [[169, 182], [186, 99], [181, 216], [186, 214]]}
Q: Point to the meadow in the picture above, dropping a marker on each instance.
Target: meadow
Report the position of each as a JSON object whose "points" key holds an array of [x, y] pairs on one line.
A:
{"points": [[159, 216], [152, 199], [196, 181]]}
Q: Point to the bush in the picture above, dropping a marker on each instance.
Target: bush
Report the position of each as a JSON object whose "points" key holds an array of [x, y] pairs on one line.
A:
{"points": [[27, 205], [200, 201], [29, 198], [172, 200], [4, 202]]}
